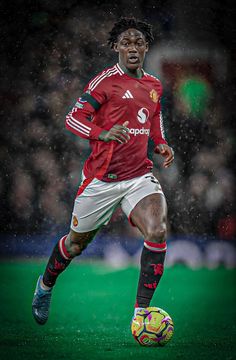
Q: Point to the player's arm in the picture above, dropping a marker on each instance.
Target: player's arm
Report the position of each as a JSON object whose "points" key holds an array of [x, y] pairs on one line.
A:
{"points": [[78, 121], [158, 136]]}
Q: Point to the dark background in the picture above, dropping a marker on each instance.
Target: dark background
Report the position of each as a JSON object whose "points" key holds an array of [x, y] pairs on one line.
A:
{"points": [[49, 51]]}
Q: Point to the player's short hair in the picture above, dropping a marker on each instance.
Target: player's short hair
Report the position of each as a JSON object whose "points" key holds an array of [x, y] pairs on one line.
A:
{"points": [[125, 23]]}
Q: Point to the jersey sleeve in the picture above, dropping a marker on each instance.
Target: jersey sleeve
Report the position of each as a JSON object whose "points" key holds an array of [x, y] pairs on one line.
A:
{"points": [[80, 119], [157, 129]]}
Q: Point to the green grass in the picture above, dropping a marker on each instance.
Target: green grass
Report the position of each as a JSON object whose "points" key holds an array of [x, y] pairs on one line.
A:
{"points": [[92, 306]]}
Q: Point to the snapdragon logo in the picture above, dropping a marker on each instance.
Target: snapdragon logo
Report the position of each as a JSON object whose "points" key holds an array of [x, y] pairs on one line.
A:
{"points": [[143, 115], [141, 131]]}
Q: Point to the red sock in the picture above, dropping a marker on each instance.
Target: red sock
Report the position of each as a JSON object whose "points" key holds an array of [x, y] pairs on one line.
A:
{"points": [[152, 267], [57, 263]]}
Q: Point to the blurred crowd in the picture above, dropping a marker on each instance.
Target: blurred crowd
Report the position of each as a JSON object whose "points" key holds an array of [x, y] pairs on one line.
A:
{"points": [[41, 162]]}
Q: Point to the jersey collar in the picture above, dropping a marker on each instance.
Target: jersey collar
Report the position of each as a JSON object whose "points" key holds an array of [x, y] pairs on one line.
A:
{"points": [[123, 73]]}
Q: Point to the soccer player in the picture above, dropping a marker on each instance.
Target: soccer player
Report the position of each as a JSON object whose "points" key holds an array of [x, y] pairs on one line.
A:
{"points": [[118, 112]]}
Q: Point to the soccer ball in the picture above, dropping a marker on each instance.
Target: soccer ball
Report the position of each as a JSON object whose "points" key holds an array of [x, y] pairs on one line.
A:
{"points": [[152, 327]]}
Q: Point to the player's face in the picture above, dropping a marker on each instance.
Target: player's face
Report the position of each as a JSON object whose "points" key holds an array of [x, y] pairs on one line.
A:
{"points": [[132, 47]]}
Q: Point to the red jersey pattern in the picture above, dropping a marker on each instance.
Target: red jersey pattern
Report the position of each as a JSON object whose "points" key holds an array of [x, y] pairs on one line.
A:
{"points": [[113, 97]]}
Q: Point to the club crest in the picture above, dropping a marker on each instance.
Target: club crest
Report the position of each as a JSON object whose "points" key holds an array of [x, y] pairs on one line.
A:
{"points": [[75, 221], [153, 95]]}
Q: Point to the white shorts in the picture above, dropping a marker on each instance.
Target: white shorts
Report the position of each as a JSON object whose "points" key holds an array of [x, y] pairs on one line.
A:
{"points": [[97, 200]]}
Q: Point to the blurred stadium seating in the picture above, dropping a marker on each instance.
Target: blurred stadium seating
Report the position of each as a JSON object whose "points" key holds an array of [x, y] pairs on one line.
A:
{"points": [[60, 48]]}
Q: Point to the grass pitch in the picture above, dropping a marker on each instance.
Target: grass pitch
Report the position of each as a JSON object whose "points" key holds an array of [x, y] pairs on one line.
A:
{"points": [[92, 306]]}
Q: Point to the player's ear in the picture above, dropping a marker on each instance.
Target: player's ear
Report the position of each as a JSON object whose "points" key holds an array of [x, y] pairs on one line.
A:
{"points": [[115, 47], [147, 47]]}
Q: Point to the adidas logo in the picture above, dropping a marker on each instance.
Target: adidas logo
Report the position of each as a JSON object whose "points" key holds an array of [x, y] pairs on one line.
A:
{"points": [[127, 95]]}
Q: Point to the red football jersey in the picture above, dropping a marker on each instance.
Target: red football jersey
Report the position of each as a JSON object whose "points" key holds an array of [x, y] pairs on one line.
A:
{"points": [[113, 97]]}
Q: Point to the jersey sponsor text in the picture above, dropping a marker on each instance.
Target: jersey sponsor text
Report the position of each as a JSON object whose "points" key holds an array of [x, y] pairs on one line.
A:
{"points": [[141, 131]]}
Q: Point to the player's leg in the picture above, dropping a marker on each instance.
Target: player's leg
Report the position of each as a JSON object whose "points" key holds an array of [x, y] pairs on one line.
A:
{"points": [[149, 215], [145, 206], [93, 208], [68, 247]]}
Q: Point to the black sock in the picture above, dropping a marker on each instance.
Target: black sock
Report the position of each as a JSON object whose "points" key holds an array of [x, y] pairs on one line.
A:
{"points": [[58, 262], [152, 266]]}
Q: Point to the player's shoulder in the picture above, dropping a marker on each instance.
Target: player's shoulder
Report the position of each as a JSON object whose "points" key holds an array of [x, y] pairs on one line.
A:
{"points": [[104, 77], [154, 79]]}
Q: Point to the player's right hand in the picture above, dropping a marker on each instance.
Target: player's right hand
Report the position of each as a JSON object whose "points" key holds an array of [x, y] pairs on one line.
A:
{"points": [[119, 133]]}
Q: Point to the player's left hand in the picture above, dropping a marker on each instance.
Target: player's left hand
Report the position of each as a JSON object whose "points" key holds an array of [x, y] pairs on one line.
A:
{"points": [[167, 152]]}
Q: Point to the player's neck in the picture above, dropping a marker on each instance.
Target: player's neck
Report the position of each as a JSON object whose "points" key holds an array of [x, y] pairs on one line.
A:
{"points": [[137, 73]]}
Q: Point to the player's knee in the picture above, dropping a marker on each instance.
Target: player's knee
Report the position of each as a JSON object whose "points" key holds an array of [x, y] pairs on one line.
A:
{"points": [[156, 233], [74, 246]]}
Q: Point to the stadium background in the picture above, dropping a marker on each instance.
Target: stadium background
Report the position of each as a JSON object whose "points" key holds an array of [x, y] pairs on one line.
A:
{"points": [[49, 51]]}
